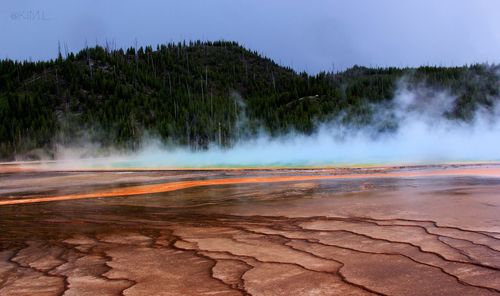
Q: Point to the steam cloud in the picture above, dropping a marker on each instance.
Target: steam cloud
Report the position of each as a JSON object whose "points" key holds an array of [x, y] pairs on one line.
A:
{"points": [[423, 135]]}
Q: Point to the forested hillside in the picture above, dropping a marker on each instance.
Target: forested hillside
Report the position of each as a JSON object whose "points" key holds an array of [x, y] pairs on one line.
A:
{"points": [[199, 94]]}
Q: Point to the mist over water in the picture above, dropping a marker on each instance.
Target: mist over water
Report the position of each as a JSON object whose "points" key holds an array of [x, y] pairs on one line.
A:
{"points": [[422, 134]]}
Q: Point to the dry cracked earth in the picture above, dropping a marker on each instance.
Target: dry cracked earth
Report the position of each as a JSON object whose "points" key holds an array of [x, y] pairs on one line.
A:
{"points": [[369, 235]]}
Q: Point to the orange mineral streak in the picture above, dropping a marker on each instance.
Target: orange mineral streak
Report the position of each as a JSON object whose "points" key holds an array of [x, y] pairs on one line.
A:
{"points": [[172, 186]]}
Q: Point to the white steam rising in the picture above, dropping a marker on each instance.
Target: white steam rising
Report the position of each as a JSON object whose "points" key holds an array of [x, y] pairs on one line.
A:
{"points": [[423, 135]]}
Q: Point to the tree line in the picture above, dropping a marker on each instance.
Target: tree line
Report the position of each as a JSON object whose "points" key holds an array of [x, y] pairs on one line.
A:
{"points": [[199, 94]]}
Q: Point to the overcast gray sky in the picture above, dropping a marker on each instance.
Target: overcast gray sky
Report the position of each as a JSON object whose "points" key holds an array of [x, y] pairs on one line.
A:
{"points": [[307, 35]]}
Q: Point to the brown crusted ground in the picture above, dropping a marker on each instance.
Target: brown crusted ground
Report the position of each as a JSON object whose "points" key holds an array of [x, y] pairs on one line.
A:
{"points": [[438, 234]]}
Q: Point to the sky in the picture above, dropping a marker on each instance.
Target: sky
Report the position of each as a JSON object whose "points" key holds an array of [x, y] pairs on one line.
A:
{"points": [[305, 35]]}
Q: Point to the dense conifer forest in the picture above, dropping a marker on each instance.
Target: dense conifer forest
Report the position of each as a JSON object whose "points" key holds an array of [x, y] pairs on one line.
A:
{"points": [[199, 94]]}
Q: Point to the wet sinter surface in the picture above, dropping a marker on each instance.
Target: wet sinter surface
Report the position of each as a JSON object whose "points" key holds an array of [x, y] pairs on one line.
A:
{"points": [[376, 231]]}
